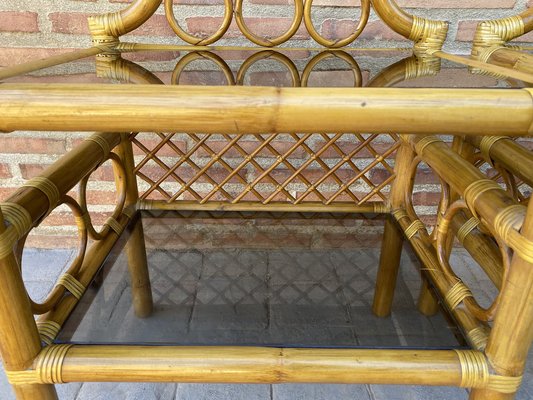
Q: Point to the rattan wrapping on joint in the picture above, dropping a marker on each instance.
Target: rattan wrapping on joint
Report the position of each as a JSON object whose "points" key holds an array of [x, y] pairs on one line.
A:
{"points": [[474, 369], [50, 363], [130, 211], [486, 144], [72, 285], [399, 214], [428, 35], [48, 331], [115, 225], [17, 216], [476, 189], [457, 293], [466, 228], [83, 220], [424, 142], [507, 224], [46, 186], [7, 241], [100, 141], [413, 228], [478, 337]]}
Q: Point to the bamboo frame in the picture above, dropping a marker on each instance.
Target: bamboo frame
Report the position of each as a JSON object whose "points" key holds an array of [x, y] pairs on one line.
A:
{"points": [[263, 110]]}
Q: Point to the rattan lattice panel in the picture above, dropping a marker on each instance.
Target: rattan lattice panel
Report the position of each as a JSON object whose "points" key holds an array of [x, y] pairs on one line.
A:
{"points": [[288, 168]]}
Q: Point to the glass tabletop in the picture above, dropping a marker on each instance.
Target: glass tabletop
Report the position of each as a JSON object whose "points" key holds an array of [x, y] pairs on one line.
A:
{"points": [[268, 279], [281, 67]]}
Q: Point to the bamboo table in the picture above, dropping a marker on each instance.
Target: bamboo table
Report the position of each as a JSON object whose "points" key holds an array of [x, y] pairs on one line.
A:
{"points": [[282, 148]]}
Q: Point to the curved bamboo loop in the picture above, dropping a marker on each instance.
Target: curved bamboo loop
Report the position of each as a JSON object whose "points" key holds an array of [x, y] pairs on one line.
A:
{"points": [[49, 189], [196, 55], [50, 362], [296, 21], [228, 16], [107, 28], [363, 19], [358, 76], [85, 217], [48, 331], [59, 289], [269, 54]]}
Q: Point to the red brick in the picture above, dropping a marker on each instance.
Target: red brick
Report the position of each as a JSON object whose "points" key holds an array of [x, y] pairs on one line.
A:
{"points": [[377, 30], [262, 27], [14, 21], [22, 145], [5, 172], [63, 22]]}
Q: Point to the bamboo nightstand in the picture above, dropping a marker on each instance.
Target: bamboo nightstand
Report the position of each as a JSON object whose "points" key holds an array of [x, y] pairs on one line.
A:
{"points": [[258, 159]]}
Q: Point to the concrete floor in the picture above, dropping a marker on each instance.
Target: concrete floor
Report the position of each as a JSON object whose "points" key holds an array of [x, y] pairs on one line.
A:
{"points": [[109, 316]]}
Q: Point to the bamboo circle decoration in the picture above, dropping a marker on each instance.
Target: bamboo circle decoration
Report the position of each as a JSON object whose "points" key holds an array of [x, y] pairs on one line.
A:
{"points": [[228, 16], [199, 55], [268, 54], [296, 22], [363, 20], [111, 225], [68, 281], [342, 55], [458, 291]]}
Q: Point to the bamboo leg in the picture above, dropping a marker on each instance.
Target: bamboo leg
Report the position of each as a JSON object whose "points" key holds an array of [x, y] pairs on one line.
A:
{"points": [[19, 338], [511, 334], [427, 302], [141, 291], [389, 262]]}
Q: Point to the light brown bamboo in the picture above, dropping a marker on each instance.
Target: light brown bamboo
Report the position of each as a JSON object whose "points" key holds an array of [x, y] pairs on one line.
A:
{"points": [[341, 207], [515, 158], [397, 19], [126, 108], [513, 59], [64, 173], [141, 291], [259, 365], [36, 65], [19, 339], [511, 334], [391, 246]]}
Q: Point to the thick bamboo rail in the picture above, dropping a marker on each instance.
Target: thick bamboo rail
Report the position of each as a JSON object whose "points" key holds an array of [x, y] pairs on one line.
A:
{"points": [[125, 108], [513, 59], [259, 365], [367, 208], [513, 157]]}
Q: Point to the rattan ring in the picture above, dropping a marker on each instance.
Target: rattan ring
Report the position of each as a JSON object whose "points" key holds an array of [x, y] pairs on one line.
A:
{"points": [[296, 21], [187, 37], [358, 76], [269, 54], [363, 19], [202, 55]]}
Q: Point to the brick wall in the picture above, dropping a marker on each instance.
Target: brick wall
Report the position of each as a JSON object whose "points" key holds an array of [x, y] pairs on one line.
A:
{"points": [[35, 28]]}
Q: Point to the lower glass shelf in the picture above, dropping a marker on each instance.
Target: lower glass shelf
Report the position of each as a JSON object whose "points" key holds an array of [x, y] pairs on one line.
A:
{"points": [[262, 279]]}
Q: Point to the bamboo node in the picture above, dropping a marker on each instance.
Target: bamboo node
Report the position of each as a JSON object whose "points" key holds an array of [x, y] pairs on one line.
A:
{"points": [[17, 216], [114, 225], [466, 228], [486, 144], [50, 362], [413, 228], [48, 331], [478, 337], [72, 285], [474, 369], [457, 293], [46, 186], [476, 189], [428, 35], [25, 377], [100, 141], [424, 142]]}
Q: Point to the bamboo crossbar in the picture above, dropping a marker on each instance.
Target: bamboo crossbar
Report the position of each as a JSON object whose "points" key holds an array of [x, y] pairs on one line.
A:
{"points": [[341, 207], [124, 108], [259, 365], [513, 157]]}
